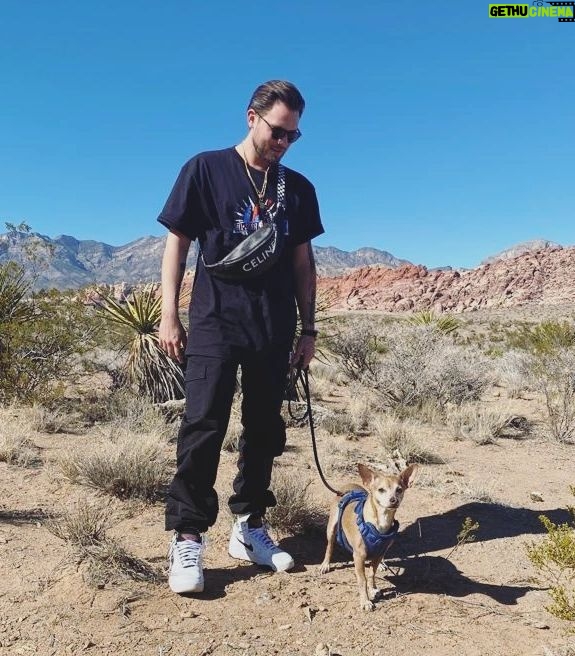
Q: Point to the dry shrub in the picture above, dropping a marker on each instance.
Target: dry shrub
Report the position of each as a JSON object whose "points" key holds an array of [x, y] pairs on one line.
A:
{"points": [[16, 447], [296, 511], [399, 441], [84, 528], [324, 371], [514, 371], [126, 465], [422, 365], [482, 493], [233, 434], [357, 350], [555, 378], [137, 414], [320, 388], [486, 425], [53, 420], [335, 423], [360, 411]]}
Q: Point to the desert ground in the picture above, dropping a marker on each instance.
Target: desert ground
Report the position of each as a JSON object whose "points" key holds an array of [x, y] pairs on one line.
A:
{"points": [[441, 594]]}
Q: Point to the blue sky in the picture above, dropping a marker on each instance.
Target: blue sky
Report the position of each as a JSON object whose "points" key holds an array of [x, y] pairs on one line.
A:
{"points": [[431, 131]]}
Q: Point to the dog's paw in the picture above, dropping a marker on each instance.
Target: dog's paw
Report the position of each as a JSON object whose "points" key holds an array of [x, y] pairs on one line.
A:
{"points": [[374, 593], [367, 605], [324, 568]]}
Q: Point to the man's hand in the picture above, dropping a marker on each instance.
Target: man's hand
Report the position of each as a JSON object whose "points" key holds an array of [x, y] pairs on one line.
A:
{"points": [[172, 338], [304, 352]]}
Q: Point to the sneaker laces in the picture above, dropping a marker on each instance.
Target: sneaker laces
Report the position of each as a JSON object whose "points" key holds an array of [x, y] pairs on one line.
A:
{"points": [[189, 552], [262, 536]]}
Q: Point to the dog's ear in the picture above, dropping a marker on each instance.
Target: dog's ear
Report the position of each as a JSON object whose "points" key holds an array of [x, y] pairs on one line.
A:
{"points": [[407, 476], [365, 473]]}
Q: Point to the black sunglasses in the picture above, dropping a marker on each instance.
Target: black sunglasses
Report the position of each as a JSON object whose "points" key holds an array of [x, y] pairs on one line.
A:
{"points": [[280, 133]]}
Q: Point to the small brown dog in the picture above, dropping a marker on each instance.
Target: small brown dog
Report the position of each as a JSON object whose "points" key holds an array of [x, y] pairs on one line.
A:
{"points": [[363, 522]]}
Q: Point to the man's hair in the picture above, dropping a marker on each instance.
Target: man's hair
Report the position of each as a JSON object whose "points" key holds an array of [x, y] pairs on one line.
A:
{"points": [[269, 93]]}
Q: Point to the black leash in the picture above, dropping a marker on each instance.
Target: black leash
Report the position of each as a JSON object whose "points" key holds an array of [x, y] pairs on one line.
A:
{"points": [[302, 376]]}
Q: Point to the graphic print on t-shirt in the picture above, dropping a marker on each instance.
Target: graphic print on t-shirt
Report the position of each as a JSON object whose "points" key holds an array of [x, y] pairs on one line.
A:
{"points": [[251, 217]]}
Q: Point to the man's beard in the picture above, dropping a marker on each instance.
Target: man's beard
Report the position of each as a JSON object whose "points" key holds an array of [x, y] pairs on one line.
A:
{"points": [[267, 154]]}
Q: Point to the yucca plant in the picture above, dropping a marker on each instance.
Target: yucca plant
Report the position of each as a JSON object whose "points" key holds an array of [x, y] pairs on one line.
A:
{"points": [[14, 287], [445, 323], [148, 369]]}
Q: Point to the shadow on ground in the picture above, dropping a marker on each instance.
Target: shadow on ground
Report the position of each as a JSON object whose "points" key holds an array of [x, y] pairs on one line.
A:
{"points": [[412, 569], [438, 532]]}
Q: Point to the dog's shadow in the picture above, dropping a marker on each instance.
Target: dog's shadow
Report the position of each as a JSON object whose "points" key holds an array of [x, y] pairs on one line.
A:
{"points": [[438, 575], [421, 572], [438, 532]]}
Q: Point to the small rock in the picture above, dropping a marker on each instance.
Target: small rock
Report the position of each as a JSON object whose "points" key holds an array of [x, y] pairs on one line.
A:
{"points": [[284, 627], [321, 650], [536, 496], [540, 625]]}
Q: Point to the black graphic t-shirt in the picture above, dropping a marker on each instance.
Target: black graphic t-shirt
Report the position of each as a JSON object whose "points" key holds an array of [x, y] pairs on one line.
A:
{"points": [[214, 202]]}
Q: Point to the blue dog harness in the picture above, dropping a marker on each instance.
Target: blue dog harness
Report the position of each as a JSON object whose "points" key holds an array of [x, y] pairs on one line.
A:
{"points": [[375, 542]]}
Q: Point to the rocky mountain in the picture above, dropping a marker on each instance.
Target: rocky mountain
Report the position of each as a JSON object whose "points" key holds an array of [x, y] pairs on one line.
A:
{"points": [[538, 272], [521, 248], [535, 277], [66, 262]]}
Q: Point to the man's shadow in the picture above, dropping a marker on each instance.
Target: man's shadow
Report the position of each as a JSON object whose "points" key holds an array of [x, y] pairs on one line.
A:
{"points": [[412, 569]]}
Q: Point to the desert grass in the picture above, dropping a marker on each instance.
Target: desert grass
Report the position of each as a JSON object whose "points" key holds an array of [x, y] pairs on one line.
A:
{"points": [[16, 446], [513, 370], [327, 371], [233, 434], [136, 414], [84, 527], [479, 492], [338, 422], [399, 440], [484, 425], [53, 420], [124, 464], [296, 510]]}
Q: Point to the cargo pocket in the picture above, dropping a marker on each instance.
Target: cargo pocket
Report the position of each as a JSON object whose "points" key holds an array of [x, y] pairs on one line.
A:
{"points": [[198, 392]]}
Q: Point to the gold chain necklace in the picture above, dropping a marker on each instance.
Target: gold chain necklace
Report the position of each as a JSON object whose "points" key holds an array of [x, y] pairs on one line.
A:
{"points": [[260, 193]]}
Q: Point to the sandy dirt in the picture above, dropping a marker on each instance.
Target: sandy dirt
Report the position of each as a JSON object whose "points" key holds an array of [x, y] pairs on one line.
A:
{"points": [[479, 598]]}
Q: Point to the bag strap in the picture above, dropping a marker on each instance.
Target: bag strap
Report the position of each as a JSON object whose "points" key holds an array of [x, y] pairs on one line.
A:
{"points": [[281, 184]]}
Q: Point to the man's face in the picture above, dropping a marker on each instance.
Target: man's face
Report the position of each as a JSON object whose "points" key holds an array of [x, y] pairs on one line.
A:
{"points": [[268, 149]]}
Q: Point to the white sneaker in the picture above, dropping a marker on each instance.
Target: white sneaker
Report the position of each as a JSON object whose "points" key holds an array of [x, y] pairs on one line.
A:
{"points": [[255, 545], [185, 562]]}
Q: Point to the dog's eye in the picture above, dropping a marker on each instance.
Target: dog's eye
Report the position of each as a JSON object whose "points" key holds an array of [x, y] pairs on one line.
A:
{"points": [[381, 490], [399, 490]]}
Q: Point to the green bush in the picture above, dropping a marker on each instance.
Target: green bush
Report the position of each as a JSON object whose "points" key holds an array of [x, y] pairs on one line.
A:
{"points": [[543, 338], [555, 558], [42, 338]]}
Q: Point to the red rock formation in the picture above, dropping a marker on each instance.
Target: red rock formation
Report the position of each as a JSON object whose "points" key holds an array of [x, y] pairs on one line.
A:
{"points": [[545, 277]]}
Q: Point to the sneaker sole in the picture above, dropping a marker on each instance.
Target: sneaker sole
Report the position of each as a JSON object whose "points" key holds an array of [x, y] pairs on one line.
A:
{"points": [[243, 554], [181, 586]]}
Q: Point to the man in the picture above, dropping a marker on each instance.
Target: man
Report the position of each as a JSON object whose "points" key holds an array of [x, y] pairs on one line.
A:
{"points": [[220, 198]]}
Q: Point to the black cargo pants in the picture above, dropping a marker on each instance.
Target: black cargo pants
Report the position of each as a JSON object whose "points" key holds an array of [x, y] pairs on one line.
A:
{"points": [[192, 501]]}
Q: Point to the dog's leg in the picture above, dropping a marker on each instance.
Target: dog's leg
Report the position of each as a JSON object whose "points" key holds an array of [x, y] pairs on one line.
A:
{"points": [[372, 589], [331, 530], [359, 565]]}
